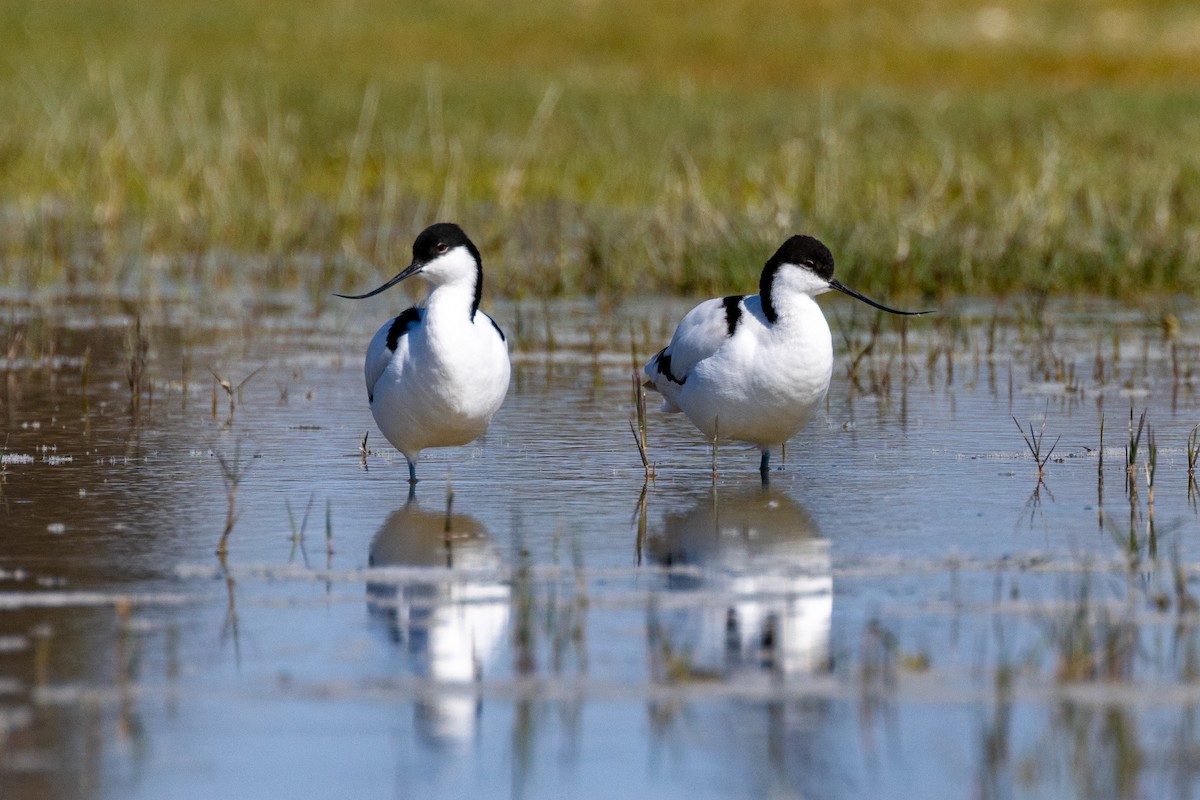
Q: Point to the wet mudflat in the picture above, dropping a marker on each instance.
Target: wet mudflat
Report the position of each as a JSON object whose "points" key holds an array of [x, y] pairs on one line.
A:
{"points": [[906, 610]]}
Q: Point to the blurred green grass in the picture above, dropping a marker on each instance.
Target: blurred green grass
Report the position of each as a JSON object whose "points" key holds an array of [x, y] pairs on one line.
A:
{"points": [[601, 147]]}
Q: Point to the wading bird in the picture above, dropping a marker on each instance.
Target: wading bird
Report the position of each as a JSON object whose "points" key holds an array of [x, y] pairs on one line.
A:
{"points": [[753, 368], [437, 373]]}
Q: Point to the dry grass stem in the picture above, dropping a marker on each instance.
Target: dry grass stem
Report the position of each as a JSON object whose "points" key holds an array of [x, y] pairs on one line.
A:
{"points": [[639, 432], [139, 347]]}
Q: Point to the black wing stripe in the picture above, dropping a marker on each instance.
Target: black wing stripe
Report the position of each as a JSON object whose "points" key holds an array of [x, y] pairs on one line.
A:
{"points": [[733, 312]]}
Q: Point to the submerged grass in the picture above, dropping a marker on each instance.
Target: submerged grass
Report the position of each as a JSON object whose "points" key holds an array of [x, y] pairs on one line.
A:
{"points": [[975, 149], [1034, 441], [1193, 450], [234, 392], [1131, 453]]}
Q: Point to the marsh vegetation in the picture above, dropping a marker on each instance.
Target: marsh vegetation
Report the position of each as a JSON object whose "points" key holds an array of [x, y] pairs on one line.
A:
{"points": [[604, 149]]}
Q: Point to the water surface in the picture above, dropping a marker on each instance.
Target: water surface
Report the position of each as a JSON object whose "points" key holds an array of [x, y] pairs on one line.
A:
{"points": [[905, 611]]}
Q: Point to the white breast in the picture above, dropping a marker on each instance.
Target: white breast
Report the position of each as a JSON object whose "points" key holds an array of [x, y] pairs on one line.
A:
{"points": [[763, 384], [442, 385]]}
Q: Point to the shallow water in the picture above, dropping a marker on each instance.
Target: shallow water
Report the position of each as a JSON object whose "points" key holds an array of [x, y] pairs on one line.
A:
{"points": [[905, 612]]}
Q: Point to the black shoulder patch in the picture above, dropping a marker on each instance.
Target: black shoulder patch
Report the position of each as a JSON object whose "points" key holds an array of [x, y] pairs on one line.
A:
{"points": [[662, 362], [401, 325], [766, 284], [733, 312]]}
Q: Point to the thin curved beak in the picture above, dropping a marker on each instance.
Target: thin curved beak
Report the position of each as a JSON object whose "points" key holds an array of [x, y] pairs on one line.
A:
{"points": [[845, 290], [411, 269]]}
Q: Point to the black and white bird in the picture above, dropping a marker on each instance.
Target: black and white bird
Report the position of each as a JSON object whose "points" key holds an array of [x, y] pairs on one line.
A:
{"points": [[753, 368], [437, 373]]}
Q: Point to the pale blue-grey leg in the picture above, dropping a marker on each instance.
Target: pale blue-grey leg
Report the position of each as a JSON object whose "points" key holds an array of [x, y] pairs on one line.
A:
{"points": [[763, 466], [412, 472]]}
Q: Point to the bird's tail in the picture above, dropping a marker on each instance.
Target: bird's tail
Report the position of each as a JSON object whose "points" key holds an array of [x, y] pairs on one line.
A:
{"points": [[659, 378]]}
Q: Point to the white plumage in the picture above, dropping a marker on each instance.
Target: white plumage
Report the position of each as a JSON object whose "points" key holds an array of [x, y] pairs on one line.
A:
{"points": [[452, 631], [764, 556], [437, 373], [754, 368]]}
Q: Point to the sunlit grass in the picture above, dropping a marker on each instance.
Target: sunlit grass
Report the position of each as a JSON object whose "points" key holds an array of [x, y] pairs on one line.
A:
{"points": [[954, 147]]}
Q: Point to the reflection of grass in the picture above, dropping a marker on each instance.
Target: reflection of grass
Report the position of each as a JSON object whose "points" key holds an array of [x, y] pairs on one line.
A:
{"points": [[233, 470], [942, 146], [668, 662], [1090, 645]]}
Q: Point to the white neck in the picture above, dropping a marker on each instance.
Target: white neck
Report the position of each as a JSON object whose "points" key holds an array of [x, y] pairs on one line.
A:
{"points": [[794, 308], [450, 300]]}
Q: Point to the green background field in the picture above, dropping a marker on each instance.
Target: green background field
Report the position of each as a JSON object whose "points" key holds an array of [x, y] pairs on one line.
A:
{"points": [[597, 147]]}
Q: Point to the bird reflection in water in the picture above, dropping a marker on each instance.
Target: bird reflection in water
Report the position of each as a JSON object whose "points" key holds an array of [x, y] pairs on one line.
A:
{"points": [[450, 630], [763, 553]]}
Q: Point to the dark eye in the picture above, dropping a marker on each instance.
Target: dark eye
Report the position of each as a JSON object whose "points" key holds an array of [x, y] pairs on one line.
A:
{"points": [[441, 247]]}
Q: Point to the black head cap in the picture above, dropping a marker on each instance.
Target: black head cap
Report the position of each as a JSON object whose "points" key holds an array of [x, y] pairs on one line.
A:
{"points": [[804, 251], [439, 238], [801, 251], [431, 243], [442, 237]]}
